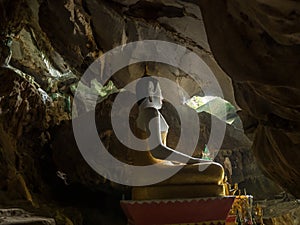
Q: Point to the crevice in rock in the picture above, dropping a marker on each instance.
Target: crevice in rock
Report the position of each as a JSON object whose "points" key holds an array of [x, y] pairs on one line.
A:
{"points": [[152, 11]]}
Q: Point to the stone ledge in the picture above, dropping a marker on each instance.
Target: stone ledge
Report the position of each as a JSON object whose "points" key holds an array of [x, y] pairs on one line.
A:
{"points": [[17, 216]]}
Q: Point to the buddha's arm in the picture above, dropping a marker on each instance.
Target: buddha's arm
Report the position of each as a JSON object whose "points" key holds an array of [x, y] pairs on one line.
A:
{"points": [[161, 151]]}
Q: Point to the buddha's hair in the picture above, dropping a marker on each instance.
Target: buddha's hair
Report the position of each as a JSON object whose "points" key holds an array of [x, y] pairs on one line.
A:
{"points": [[142, 87]]}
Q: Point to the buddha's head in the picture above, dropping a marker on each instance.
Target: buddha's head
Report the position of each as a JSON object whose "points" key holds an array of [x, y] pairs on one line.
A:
{"points": [[149, 87]]}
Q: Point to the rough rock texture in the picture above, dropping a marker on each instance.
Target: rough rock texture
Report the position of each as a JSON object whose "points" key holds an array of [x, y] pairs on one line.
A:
{"points": [[45, 46], [263, 59], [23, 119], [281, 213], [19, 216]]}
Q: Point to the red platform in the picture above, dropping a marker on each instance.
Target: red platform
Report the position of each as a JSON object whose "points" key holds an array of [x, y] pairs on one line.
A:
{"points": [[204, 211]]}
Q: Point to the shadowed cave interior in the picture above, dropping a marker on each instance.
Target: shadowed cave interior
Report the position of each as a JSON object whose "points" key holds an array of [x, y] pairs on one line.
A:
{"points": [[252, 48]]}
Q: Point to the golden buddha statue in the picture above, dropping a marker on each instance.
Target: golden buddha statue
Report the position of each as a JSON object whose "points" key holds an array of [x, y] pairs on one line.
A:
{"points": [[190, 181]]}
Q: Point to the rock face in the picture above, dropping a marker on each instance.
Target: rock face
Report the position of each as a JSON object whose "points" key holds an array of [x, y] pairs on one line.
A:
{"points": [[262, 59], [23, 118], [45, 47], [278, 212], [19, 216]]}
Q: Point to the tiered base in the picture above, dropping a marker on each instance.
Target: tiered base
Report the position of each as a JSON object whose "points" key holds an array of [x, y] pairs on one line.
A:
{"points": [[198, 211]]}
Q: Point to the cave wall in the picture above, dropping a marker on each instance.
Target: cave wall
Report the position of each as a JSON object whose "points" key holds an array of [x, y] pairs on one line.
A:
{"points": [[47, 45], [257, 44]]}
